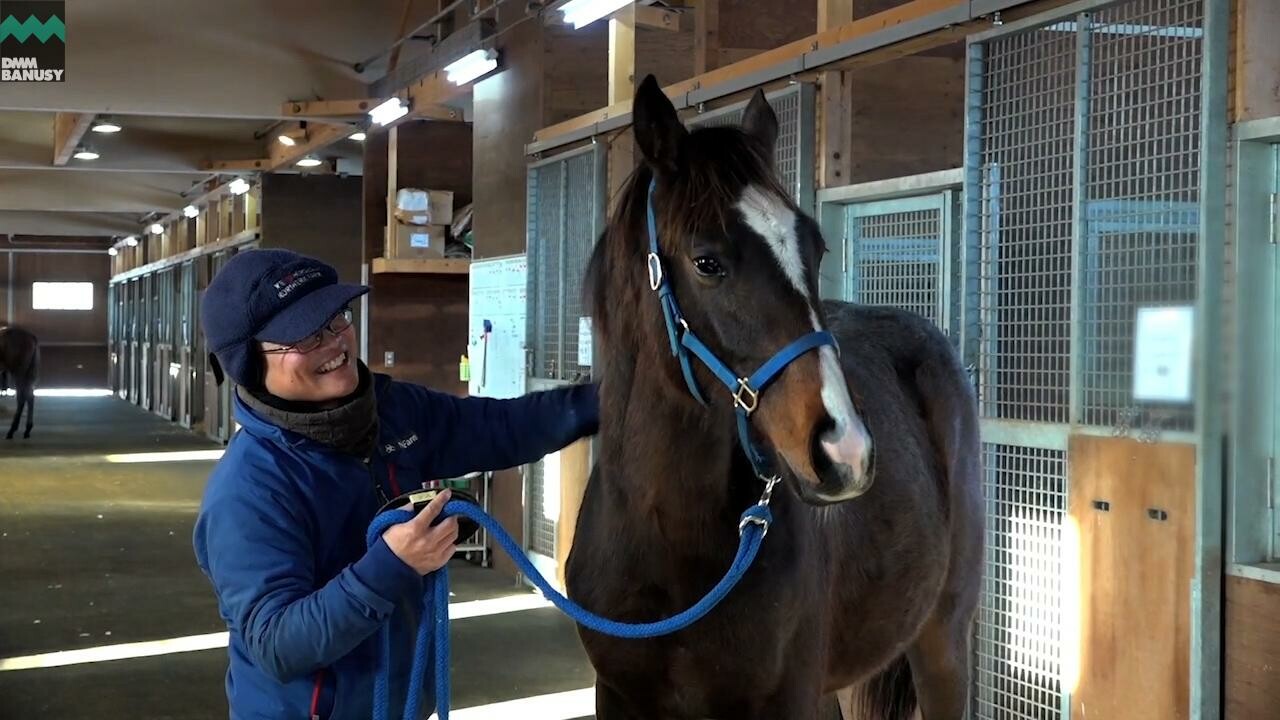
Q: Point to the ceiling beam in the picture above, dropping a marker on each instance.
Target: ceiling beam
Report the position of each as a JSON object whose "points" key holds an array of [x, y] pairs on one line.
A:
{"points": [[330, 108], [319, 136], [68, 130], [240, 166], [652, 16]]}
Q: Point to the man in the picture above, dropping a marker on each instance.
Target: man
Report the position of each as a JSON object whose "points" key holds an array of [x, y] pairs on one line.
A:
{"points": [[324, 444]]}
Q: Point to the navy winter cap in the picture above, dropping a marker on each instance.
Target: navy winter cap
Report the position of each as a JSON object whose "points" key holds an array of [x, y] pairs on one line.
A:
{"points": [[273, 295]]}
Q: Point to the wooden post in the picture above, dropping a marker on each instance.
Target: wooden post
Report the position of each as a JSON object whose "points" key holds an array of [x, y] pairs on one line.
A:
{"points": [[835, 106], [706, 39], [622, 67]]}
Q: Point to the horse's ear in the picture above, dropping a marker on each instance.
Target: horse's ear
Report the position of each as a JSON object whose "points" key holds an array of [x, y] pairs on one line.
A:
{"points": [[657, 127], [760, 122]]}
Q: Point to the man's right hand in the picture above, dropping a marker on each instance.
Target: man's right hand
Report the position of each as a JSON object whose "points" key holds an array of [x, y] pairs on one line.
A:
{"points": [[421, 546]]}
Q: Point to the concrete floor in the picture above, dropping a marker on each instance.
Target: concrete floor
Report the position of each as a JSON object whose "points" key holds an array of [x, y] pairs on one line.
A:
{"points": [[96, 553]]}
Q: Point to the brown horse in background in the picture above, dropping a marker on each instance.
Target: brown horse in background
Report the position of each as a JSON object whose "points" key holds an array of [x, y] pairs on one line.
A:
{"points": [[20, 358]]}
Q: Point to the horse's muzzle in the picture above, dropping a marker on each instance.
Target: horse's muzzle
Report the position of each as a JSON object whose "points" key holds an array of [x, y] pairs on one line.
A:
{"points": [[842, 461]]}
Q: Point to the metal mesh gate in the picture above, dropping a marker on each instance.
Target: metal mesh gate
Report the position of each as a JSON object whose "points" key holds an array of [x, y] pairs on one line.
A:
{"points": [[1082, 175], [566, 214], [793, 157]]}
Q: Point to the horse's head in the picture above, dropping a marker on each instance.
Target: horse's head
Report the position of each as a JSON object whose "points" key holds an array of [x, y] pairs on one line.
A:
{"points": [[742, 261]]}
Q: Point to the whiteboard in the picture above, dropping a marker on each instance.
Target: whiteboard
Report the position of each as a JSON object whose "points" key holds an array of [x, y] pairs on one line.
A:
{"points": [[499, 294]]}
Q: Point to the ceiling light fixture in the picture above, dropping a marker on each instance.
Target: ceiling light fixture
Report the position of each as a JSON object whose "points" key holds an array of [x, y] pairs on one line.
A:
{"points": [[239, 186], [358, 137], [112, 251], [105, 124], [286, 140], [156, 229], [471, 66], [581, 13], [309, 161], [190, 211], [84, 153], [131, 240], [389, 111]]}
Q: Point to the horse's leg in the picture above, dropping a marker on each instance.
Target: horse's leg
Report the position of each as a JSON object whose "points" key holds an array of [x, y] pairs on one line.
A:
{"points": [[17, 414], [31, 411], [940, 662]]}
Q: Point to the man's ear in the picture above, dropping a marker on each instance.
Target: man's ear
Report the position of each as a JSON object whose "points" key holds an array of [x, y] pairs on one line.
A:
{"points": [[657, 127]]}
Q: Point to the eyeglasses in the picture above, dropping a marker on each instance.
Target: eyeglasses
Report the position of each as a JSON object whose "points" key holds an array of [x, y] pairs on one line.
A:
{"points": [[336, 325]]}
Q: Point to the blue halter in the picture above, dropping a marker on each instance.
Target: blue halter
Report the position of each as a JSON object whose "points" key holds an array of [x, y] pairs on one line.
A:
{"points": [[746, 390]]}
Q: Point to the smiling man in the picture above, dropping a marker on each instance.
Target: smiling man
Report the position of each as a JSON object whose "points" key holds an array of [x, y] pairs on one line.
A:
{"points": [[324, 443]]}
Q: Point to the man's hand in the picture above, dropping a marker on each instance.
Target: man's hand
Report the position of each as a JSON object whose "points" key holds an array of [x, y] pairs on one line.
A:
{"points": [[420, 546]]}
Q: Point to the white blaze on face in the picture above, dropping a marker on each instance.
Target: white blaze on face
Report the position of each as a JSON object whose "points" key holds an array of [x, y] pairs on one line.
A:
{"points": [[771, 218]]}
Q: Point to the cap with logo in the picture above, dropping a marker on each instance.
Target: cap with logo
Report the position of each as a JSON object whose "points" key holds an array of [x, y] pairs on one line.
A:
{"points": [[274, 295]]}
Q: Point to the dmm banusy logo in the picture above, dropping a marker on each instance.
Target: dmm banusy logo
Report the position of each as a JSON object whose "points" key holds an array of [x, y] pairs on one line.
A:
{"points": [[33, 41]]}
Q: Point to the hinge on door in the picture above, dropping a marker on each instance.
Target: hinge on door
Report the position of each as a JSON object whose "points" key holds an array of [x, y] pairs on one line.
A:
{"points": [[1274, 231], [1271, 483]]}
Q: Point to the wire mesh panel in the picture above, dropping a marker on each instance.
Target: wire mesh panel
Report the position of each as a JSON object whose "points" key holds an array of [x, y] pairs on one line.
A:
{"points": [[542, 529], [793, 156], [1025, 140], [1142, 188], [895, 254], [565, 217], [1018, 644]]}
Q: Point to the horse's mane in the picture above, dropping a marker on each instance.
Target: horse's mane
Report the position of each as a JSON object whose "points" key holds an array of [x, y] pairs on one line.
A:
{"points": [[716, 163]]}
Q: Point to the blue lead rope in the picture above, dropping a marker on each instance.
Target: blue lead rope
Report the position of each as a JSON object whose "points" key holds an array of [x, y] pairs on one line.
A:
{"points": [[433, 633]]}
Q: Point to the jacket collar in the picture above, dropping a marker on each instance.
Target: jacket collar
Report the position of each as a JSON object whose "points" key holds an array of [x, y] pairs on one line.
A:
{"points": [[261, 427]]}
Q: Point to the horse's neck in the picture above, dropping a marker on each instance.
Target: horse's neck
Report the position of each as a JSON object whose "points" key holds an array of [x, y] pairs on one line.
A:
{"points": [[670, 459]]}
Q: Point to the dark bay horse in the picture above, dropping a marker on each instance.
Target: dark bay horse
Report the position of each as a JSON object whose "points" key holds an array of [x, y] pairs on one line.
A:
{"points": [[869, 576], [20, 361]]}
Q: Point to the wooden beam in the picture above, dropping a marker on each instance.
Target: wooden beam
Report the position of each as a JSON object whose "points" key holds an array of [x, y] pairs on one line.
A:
{"points": [[237, 165], [652, 16], [859, 28], [622, 54], [404, 27], [706, 37], [68, 129], [319, 136], [330, 108], [835, 105]]}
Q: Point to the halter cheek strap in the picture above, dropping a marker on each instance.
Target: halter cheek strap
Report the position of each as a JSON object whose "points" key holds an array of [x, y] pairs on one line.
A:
{"points": [[746, 390]]}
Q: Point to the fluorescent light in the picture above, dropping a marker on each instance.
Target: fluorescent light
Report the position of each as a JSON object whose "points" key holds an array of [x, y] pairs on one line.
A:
{"points": [[190, 211], [156, 229], [581, 13], [309, 161], [358, 137], [105, 125], [388, 111], [472, 66], [84, 153], [112, 251], [239, 186], [286, 140]]}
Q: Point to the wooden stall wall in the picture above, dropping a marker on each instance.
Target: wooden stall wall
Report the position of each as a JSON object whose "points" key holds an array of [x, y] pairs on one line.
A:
{"points": [[405, 309], [318, 215], [74, 350]]}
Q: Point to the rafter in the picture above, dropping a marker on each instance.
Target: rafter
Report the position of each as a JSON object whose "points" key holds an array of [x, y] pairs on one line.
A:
{"points": [[68, 130]]}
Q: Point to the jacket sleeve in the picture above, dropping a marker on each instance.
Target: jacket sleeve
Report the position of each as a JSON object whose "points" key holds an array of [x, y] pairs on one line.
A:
{"points": [[260, 559], [462, 435]]}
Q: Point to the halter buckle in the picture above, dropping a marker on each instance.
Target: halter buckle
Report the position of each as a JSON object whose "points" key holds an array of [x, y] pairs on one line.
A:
{"points": [[746, 397], [655, 271]]}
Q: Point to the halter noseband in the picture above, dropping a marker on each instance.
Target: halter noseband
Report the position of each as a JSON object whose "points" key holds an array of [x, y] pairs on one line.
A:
{"points": [[746, 390]]}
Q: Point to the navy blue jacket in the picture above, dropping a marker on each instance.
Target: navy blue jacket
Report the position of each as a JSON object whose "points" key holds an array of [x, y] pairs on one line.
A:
{"points": [[281, 530]]}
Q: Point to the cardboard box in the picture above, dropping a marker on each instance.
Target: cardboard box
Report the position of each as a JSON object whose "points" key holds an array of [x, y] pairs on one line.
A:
{"points": [[424, 207], [415, 241]]}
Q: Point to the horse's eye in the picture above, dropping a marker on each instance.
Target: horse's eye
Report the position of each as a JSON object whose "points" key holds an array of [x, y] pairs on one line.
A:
{"points": [[708, 266]]}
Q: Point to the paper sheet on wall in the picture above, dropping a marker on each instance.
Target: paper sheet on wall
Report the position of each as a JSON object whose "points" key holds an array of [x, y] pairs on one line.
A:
{"points": [[499, 293], [584, 341], [1163, 342]]}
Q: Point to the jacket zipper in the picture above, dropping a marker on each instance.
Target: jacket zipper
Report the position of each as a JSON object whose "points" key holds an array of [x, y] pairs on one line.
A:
{"points": [[315, 696], [377, 486]]}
